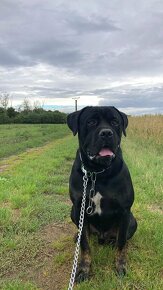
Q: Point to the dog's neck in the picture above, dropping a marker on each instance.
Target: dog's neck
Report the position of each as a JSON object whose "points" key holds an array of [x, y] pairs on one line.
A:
{"points": [[111, 168]]}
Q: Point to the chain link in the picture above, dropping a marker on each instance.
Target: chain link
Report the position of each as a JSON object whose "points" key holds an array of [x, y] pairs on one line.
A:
{"points": [[90, 209], [81, 222]]}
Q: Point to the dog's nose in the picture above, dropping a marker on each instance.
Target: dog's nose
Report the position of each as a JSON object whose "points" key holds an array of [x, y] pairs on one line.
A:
{"points": [[106, 133]]}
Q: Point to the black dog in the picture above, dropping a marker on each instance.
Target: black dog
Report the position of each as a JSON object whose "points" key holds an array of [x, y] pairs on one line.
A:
{"points": [[108, 204]]}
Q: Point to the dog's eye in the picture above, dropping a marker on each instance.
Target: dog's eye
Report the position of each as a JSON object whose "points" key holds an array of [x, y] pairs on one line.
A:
{"points": [[92, 122], [114, 122]]}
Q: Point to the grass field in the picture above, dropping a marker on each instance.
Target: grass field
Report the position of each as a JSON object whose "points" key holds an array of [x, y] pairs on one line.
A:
{"points": [[36, 247], [16, 138]]}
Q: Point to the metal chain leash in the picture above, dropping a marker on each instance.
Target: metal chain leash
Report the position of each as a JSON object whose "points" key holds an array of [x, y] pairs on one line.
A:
{"points": [[90, 209], [81, 222]]}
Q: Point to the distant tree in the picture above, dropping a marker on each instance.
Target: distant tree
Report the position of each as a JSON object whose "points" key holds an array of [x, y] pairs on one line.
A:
{"points": [[26, 105], [37, 108], [2, 110], [11, 112], [38, 111], [4, 100], [37, 105], [27, 115], [4, 119]]}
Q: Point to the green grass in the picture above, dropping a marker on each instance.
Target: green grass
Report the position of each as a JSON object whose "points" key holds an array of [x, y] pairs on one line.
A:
{"points": [[31, 196], [34, 193], [16, 138], [32, 189], [18, 285]]}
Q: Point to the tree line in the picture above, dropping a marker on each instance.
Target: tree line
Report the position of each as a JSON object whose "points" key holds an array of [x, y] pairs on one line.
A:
{"points": [[27, 114]]}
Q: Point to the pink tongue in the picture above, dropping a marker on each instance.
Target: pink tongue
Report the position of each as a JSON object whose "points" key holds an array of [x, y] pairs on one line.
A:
{"points": [[106, 152]]}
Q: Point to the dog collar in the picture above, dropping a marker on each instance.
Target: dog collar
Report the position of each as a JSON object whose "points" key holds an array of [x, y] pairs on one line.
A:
{"points": [[89, 173]]}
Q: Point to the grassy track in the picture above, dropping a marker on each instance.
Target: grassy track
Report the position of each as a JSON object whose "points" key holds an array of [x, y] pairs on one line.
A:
{"points": [[34, 196], [31, 197], [16, 138]]}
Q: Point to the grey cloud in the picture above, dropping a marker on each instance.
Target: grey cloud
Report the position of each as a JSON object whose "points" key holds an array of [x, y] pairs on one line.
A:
{"points": [[98, 39], [55, 55], [11, 58], [135, 98], [121, 96], [92, 24], [80, 41], [8, 57], [52, 92]]}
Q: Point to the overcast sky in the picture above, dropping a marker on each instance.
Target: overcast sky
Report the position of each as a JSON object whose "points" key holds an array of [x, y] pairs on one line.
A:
{"points": [[105, 52]]}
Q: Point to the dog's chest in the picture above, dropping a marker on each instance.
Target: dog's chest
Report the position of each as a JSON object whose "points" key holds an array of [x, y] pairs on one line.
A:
{"points": [[97, 203], [103, 205]]}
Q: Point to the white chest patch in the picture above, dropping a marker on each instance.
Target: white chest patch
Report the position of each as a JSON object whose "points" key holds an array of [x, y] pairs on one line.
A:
{"points": [[97, 202]]}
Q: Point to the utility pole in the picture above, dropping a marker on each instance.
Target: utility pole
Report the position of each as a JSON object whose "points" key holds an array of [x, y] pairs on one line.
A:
{"points": [[76, 102]]}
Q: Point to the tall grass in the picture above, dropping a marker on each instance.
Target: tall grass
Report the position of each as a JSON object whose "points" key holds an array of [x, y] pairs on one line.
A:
{"points": [[147, 128]]}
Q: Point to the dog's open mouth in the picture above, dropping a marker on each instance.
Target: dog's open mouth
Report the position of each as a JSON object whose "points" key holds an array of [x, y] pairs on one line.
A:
{"points": [[103, 153]]}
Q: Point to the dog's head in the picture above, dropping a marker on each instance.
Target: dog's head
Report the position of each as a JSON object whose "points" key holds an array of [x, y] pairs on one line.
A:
{"points": [[99, 130]]}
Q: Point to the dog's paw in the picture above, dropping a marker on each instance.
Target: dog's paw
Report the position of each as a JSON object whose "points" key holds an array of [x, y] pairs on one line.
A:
{"points": [[121, 269], [81, 275]]}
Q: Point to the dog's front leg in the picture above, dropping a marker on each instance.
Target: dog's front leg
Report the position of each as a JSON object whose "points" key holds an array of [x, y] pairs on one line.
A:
{"points": [[121, 244], [83, 271]]}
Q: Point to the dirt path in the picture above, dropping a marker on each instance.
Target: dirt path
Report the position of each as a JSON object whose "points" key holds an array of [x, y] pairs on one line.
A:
{"points": [[56, 257], [51, 267]]}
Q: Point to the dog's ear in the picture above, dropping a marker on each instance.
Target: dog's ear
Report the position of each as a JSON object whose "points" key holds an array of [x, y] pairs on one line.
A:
{"points": [[124, 121], [73, 120]]}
